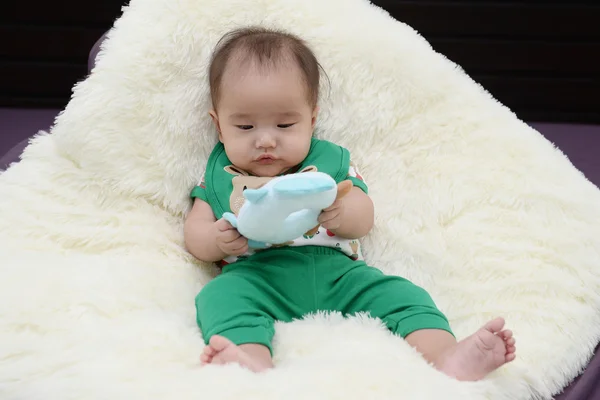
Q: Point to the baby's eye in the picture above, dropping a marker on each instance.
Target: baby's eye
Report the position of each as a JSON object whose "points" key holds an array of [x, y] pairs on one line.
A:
{"points": [[245, 127], [283, 126]]}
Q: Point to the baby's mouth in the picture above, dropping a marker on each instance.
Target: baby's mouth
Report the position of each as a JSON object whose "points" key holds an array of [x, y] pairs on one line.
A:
{"points": [[266, 159]]}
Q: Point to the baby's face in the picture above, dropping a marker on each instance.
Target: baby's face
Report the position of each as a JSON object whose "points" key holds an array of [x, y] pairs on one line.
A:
{"points": [[264, 118]]}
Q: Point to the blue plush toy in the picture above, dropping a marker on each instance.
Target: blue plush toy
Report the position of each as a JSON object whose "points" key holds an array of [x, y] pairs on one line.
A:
{"points": [[284, 208]]}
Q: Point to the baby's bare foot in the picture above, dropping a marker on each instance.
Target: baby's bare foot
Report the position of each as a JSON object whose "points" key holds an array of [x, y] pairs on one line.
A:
{"points": [[481, 353], [221, 350]]}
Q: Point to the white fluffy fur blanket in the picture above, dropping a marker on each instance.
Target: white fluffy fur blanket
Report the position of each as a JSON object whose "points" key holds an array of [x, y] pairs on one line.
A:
{"points": [[97, 291]]}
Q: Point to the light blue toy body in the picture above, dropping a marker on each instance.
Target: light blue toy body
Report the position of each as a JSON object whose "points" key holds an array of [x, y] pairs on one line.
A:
{"points": [[283, 209]]}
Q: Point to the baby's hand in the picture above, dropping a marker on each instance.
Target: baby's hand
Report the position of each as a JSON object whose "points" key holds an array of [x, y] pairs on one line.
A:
{"points": [[228, 239], [331, 217]]}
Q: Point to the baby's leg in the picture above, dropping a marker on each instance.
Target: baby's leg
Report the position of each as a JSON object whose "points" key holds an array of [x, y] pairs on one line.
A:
{"points": [[409, 311], [237, 325]]}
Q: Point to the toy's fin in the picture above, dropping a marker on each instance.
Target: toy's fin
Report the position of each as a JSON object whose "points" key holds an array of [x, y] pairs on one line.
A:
{"points": [[302, 186], [256, 245], [231, 218], [255, 195]]}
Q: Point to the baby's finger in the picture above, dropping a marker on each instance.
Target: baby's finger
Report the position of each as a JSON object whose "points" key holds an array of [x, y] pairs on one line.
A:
{"points": [[239, 247], [336, 204], [239, 252], [223, 225], [327, 216], [331, 225], [239, 243], [230, 236]]}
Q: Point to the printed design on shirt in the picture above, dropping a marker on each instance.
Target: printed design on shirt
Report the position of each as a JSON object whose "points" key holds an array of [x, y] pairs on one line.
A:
{"points": [[202, 183], [288, 243], [355, 246], [354, 172], [311, 234], [242, 181]]}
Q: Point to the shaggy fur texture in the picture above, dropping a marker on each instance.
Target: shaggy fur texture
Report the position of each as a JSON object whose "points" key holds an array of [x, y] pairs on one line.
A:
{"points": [[97, 291]]}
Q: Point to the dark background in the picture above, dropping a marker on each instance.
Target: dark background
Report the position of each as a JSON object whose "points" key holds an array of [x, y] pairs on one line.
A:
{"points": [[541, 58]]}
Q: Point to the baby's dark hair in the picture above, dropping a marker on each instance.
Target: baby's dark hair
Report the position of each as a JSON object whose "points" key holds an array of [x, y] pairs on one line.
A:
{"points": [[267, 47]]}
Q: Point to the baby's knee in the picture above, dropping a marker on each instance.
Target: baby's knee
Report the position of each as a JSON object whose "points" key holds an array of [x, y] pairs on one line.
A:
{"points": [[220, 290]]}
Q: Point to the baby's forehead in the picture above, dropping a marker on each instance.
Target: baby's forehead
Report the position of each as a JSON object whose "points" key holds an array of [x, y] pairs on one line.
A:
{"points": [[245, 80], [245, 62], [262, 56]]}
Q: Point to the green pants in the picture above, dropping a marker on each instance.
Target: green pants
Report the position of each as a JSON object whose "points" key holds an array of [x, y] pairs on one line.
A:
{"points": [[283, 284]]}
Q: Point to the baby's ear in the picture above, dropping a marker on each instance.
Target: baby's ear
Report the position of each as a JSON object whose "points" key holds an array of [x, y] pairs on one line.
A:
{"points": [[315, 113], [215, 119]]}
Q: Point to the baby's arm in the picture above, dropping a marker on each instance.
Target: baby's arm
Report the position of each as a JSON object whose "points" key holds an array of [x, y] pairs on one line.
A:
{"points": [[358, 215], [200, 234]]}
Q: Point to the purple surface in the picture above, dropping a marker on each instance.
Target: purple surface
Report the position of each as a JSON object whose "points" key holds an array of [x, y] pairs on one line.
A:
{"points": [[587, 385], [581, 143], [18, 124]]}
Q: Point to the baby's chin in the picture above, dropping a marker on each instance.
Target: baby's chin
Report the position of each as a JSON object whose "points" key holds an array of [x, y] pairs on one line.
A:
{"points": [[268, 171]]}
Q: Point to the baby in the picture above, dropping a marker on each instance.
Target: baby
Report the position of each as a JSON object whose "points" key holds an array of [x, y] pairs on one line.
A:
{"points": [[264, 88]]}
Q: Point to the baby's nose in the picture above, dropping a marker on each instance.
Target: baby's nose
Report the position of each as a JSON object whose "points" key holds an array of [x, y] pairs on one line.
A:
{"points": [[266, 140]]}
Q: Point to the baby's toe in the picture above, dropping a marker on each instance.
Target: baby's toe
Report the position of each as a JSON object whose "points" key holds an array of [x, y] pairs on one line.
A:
{"points": [[506, 334], [209, 351], [511, 342], [510, 349], [204, 359], [510, 357]]}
